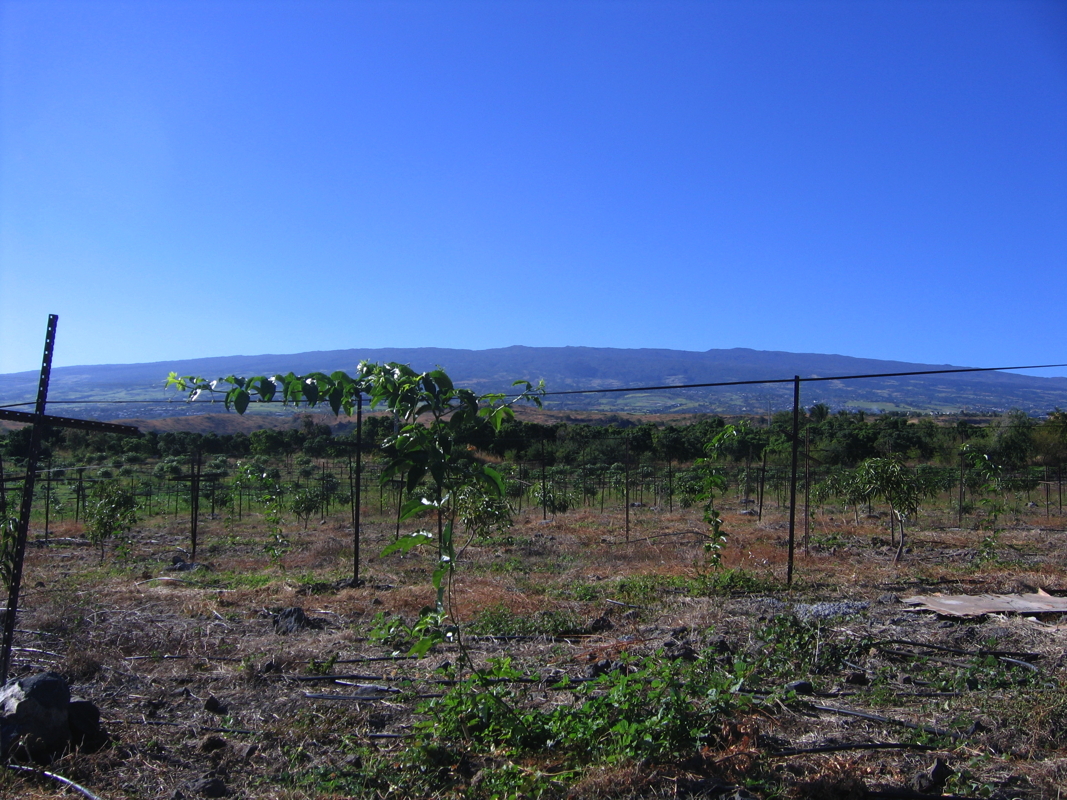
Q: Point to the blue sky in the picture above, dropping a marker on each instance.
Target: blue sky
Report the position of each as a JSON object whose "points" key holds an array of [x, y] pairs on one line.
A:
{"points": [[875, 179]]}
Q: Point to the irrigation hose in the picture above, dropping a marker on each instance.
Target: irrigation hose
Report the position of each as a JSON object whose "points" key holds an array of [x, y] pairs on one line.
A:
{"points": [[58, 778]]}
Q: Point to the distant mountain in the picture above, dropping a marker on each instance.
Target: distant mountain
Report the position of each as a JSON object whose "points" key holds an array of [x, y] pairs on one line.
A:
{"points": [[95, 389]]}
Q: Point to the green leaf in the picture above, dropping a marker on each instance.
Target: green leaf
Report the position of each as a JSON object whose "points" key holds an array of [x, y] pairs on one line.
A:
{"points": [[497, 416], [413, 507], [240, 400], [441, 379], [292, 388], [423, 645], [495, 478], [414, 476], [439, 575], [335, 398], [177, 382], [265, 388], [408, 543], [429, 385]]}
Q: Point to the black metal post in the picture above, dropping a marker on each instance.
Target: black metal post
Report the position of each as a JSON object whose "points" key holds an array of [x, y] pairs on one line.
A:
{"points": [[793, 480], [194, 503], [670, 486], [1048, 487], [79, 495], [357, 494], [807, 490], [544, 494], [626, 489], [762, 484], [959, 506]]}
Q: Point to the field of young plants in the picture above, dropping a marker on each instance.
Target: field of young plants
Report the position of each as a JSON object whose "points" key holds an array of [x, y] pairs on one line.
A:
{"points": [[550, 611]]}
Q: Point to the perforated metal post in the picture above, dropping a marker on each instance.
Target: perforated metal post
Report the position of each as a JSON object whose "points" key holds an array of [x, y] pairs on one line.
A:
{"points": [[39, 422], [27, 501]]}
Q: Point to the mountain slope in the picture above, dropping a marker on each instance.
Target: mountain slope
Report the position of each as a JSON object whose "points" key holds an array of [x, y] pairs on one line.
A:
{"points": [[573, 368]]}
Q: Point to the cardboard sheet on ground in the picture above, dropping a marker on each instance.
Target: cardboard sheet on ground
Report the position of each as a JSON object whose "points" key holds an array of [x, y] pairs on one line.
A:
{"points": [[962, 605]]}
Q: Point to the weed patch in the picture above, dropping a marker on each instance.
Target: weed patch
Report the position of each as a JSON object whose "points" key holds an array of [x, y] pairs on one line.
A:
{"points": [[644, 708], [499, 620], [787, 647]]}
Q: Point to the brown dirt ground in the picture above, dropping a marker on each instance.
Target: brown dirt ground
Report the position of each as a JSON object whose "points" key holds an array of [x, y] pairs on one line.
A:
{"points": [[150, 647]]}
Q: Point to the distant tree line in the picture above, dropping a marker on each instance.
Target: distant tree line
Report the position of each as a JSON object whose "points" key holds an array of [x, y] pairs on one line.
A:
{"points": [[842, 439]]}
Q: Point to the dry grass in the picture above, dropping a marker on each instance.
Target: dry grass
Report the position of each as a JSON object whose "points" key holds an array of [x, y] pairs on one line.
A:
{"points": [[150, 652]]}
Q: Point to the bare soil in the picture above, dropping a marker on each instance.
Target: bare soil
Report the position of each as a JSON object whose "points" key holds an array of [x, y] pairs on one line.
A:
{"points": [[193, 680]]}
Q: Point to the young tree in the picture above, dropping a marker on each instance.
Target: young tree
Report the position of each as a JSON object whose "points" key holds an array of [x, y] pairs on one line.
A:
{"points": [[431, 412], [844, 485], [890, 479], [1050, 440], [991, 475], [713, 483], [305, 502], [110, 511], [1013, 445]]}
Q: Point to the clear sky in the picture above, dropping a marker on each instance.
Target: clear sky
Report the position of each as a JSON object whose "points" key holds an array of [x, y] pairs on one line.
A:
{"points": [[875, 179]]}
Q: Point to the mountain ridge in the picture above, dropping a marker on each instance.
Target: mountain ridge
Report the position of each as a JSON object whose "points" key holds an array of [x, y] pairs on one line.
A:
{"points": [[577, 367]]}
